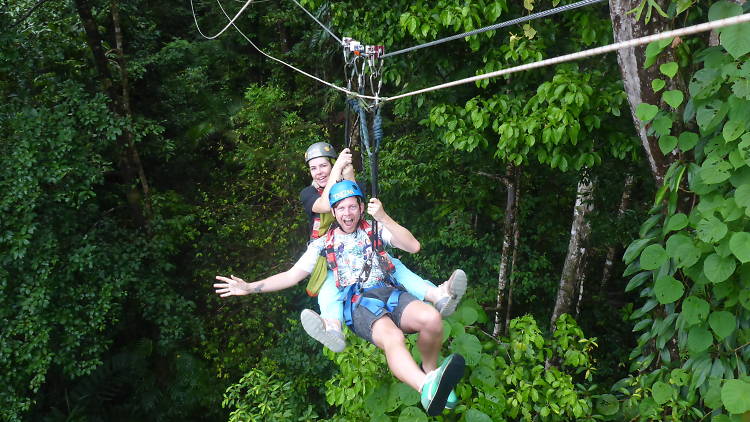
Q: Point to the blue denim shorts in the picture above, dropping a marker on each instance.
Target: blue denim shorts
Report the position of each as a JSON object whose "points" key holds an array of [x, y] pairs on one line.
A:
{"points": [[363, 319]]}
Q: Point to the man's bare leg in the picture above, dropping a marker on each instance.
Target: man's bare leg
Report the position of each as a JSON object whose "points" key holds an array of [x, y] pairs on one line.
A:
{"points": [[391, 340], [424, 319]]}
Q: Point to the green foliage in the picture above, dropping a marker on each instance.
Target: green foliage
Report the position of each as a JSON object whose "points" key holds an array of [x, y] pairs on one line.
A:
{"points": [[263, 395], [505, 379], [557, 125], [690, 262]]}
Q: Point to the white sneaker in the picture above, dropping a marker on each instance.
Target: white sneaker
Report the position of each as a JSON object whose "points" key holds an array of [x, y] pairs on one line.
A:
{"points": [[315, 327], [452, 291]]}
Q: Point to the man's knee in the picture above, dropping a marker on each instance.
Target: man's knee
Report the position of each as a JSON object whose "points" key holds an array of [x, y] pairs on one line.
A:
{"points": [[420, 316], [432, 320], [386, 334]]}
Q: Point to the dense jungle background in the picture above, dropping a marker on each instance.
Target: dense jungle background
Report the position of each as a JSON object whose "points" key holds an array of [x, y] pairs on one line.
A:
{"points": [[601, 209]]}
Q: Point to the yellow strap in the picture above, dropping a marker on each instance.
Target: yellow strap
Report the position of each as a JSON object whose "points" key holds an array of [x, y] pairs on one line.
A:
{"points": [[318, 276]]}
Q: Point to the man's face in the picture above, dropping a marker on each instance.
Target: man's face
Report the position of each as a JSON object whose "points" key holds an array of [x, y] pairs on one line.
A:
{"points": [[320, 169], [347, 213]]}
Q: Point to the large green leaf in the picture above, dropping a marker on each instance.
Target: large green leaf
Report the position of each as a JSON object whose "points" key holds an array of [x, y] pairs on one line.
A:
{"points": [[677, 222], [469, 347], [679, 377], [733, 129], [681, 248], [741, 88], [653, 256], [712, 397], [723, 323], [695, 310], [667, 143], [699, 339], [739, 244], [669, 69], [718, 269], [483, 375], [687, 140], [734, 39], [412, 414], [646, 112], [662, 392], [674, 98], [668, 289], [735, 395], [637, 280], [742, 195], [634, 249], [723, 9], [607, 404], [711, 229], [474, 415], [712, 173]]}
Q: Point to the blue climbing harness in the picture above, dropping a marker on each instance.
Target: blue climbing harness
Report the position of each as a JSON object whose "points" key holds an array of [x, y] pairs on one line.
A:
{"points": [[353, 296]]}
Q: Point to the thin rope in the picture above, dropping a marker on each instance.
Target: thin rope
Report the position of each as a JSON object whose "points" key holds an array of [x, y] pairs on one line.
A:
{"points": [[336, 87], [319, 23], [231, 21], [708, 26], [498, 26]]}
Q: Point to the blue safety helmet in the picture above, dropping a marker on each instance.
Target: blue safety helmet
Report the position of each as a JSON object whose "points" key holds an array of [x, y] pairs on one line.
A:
{"points": [[343, 190]]}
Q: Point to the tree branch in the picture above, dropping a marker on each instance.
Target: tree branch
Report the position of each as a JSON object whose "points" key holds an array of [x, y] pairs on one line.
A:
{"points": [[497, 177], [27, 14]]}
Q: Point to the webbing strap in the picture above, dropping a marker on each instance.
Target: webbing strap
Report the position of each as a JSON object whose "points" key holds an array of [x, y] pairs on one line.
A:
{"points": [[353, 298]]}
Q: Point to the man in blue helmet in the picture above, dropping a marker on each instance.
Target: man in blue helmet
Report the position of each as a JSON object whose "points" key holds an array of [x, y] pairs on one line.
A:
{"points": [[326, 327], [375, 308]]}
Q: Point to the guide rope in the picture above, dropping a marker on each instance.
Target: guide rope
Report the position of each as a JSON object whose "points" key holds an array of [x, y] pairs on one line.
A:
{"points": [[329, 84], [497, 26], [708, 26], [319, 23]]}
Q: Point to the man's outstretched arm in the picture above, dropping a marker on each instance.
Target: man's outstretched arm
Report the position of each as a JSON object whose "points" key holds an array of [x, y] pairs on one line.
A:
{"points": [[235, 286]]}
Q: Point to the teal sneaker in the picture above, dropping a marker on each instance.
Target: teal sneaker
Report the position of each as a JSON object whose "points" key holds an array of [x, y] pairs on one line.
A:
{"points": [[452, 401], [439, 384]]}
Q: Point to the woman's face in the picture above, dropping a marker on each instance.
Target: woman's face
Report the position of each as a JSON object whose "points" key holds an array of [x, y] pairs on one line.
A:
{"points": [[320, 169]]}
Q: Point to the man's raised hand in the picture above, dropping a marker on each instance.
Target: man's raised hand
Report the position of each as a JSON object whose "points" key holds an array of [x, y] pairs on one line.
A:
{"points": [[231, 286]]}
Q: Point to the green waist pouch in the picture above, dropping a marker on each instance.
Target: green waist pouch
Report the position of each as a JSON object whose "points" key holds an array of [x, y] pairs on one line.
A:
{"points": [[320, 272]]}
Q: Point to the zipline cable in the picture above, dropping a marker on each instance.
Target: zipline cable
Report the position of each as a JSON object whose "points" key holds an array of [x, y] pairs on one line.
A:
{"points": [[336, 87], [497, 26], [319, 23], [231, 21], [708, 26]]}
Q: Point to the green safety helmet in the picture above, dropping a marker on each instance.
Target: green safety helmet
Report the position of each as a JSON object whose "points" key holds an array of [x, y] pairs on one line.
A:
{"points": [[319, 149], [343, 190]]}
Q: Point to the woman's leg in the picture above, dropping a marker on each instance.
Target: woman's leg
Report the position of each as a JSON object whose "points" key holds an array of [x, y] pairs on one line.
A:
{"points": [[331, 308], [326, 328], [414, 284]]}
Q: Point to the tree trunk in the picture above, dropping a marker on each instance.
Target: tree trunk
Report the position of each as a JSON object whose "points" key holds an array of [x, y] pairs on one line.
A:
{"points": [[126, 163], [609, 261], [637, 80], [94, 40], [579, 234], [581, 277], [511, 182], [516, 233], [133, 156]]}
